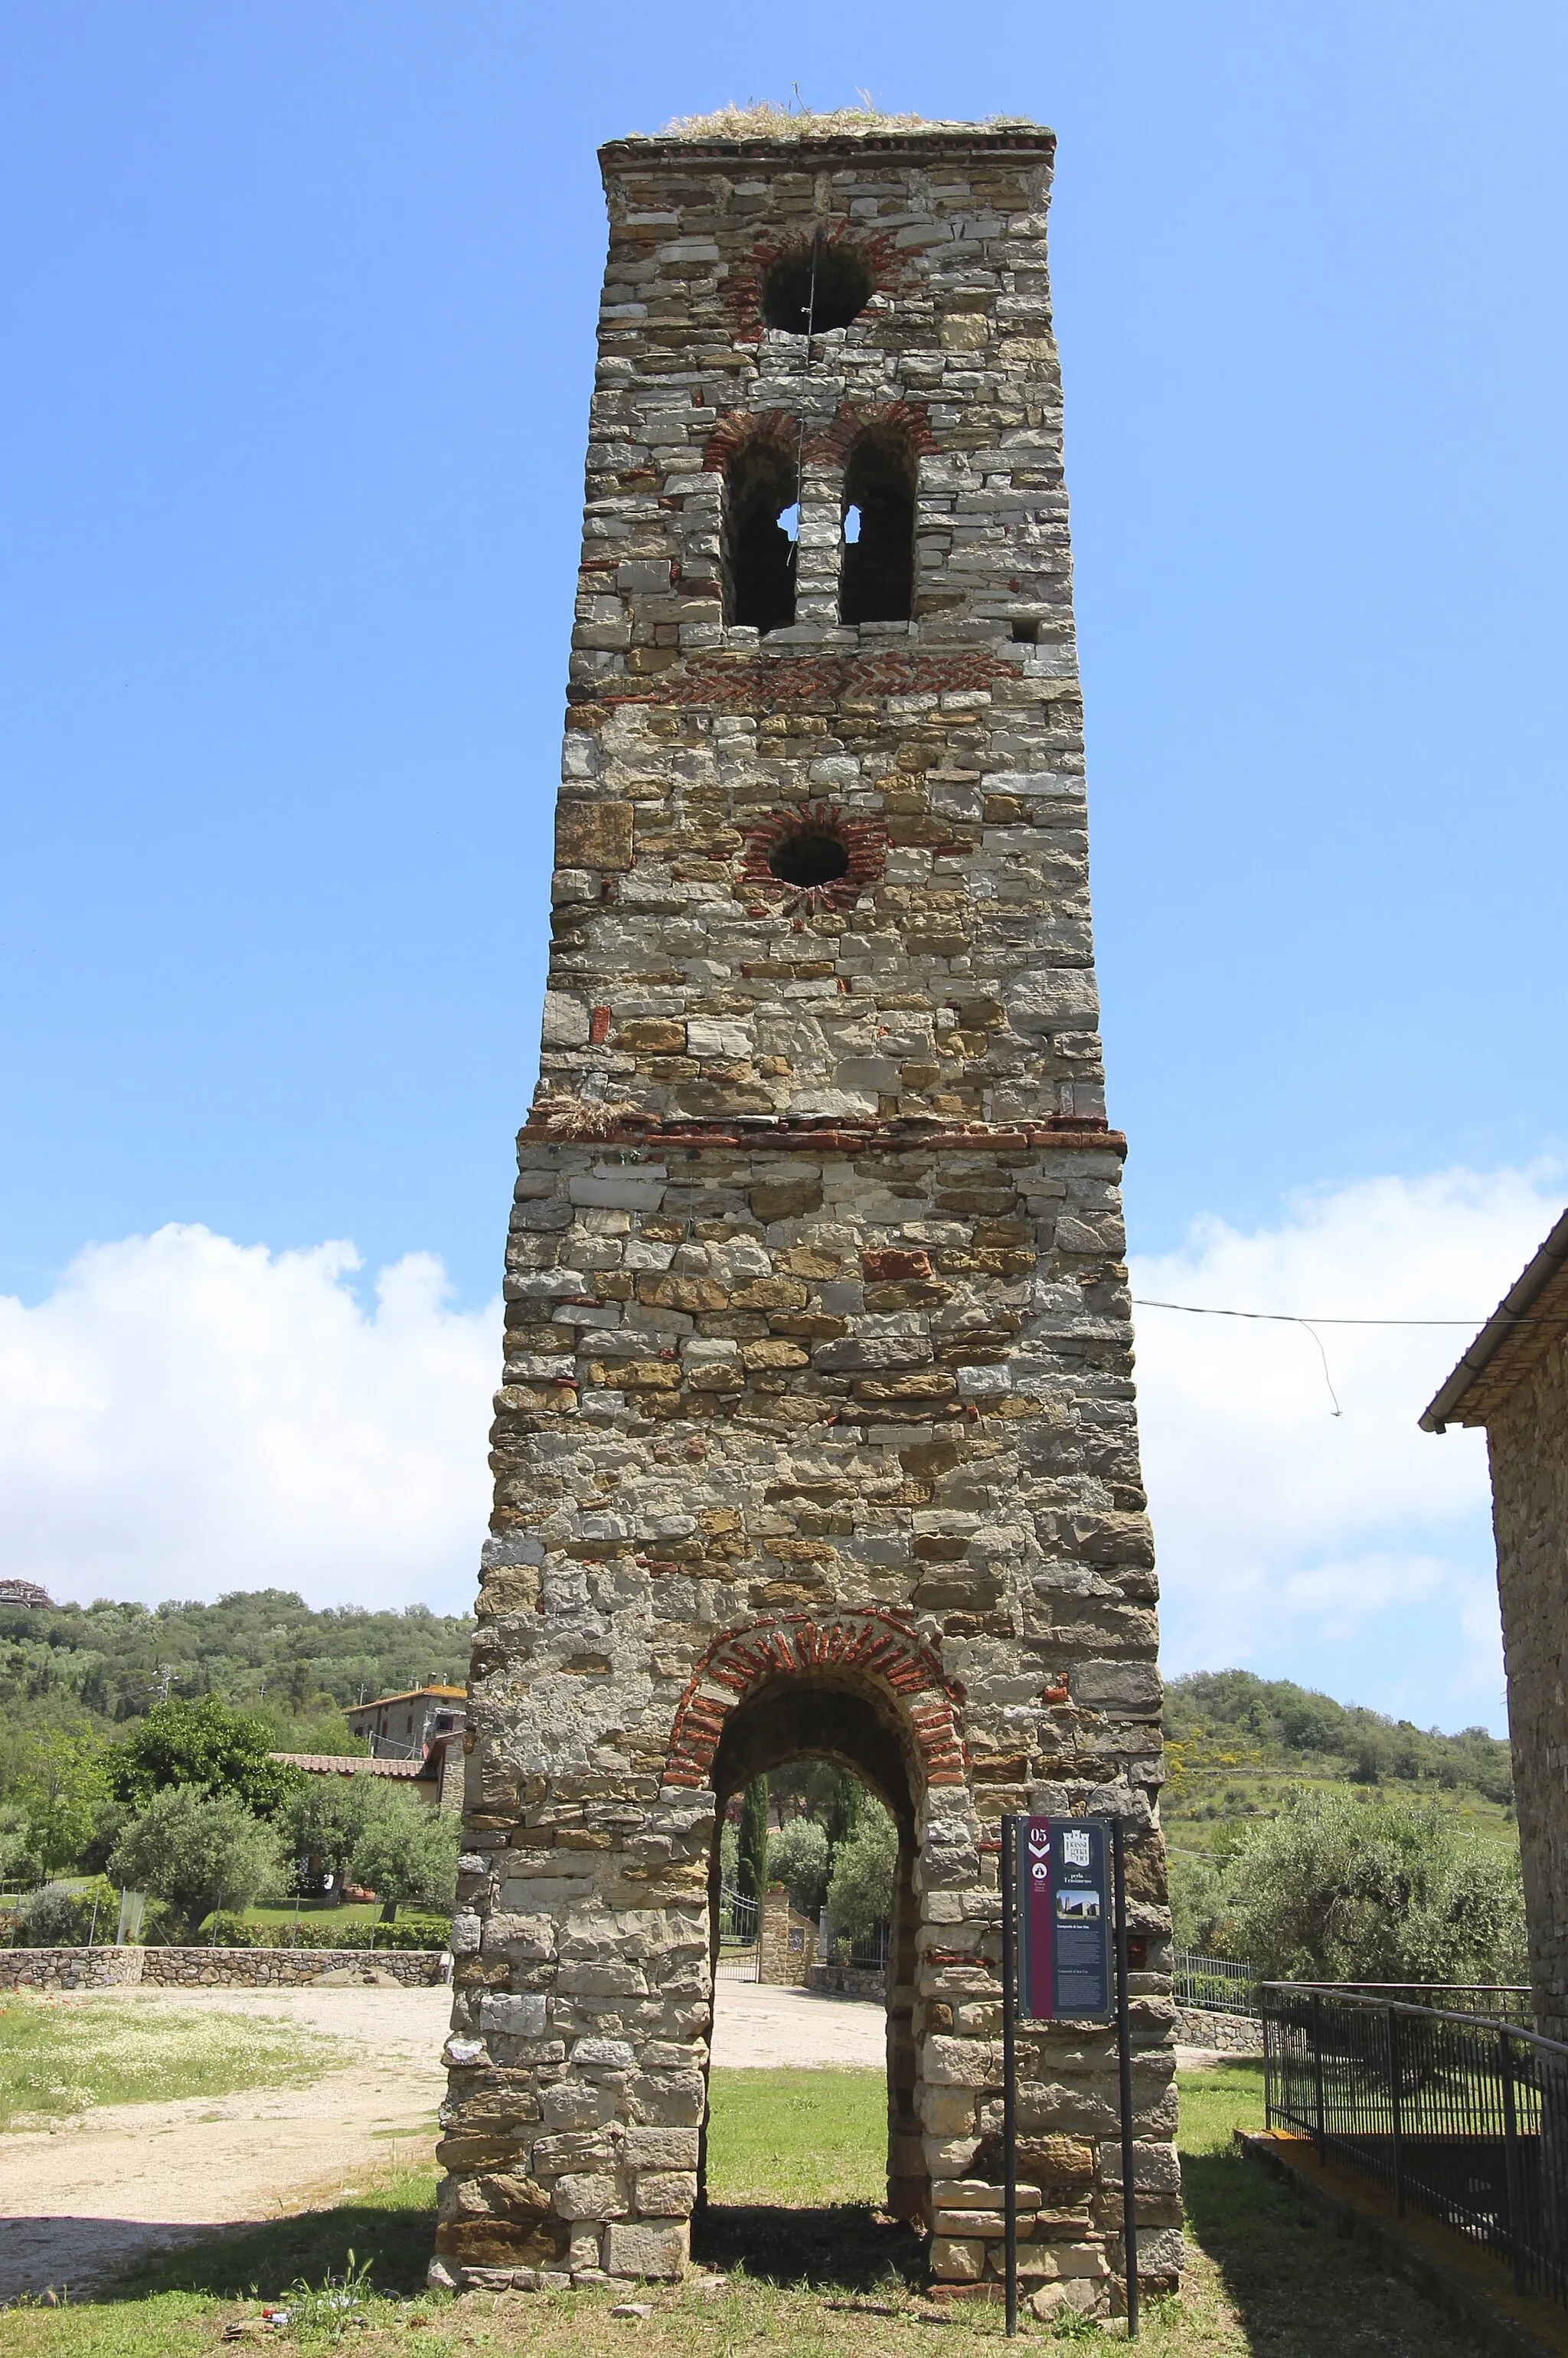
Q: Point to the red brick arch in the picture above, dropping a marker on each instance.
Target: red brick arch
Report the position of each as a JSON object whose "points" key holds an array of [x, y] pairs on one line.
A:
{"points": [[871, 1644], [905, 421], [738, 428]]}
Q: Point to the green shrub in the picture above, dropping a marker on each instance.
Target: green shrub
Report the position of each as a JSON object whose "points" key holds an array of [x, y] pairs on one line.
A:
{"points": [[1338, 1889], [859, 1896], [409, 1932], [61, 1915], [798, 1859]]}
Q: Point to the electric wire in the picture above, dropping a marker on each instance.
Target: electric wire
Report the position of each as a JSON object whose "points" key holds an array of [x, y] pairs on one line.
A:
{"points": [[1293, 1318], [805, 380]]}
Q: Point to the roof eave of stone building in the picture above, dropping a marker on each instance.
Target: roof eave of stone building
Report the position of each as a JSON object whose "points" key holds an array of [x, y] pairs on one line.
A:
{"points": [[1501, 1341], [915, 139]]}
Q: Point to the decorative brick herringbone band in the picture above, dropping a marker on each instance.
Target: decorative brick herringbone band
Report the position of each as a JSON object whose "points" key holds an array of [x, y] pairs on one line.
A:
{"points": [[759, 683]]}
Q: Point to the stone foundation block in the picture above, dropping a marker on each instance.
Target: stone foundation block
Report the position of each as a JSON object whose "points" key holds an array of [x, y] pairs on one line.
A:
{"points": [[958, 2259], [637, 2248]]}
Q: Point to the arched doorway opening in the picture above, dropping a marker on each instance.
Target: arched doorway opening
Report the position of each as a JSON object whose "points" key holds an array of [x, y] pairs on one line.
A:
{"points": [[852, 1724]]}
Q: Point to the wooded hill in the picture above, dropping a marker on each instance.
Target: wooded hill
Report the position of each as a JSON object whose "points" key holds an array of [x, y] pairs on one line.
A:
{"points": [[1236, 1744], [263, 1649]]}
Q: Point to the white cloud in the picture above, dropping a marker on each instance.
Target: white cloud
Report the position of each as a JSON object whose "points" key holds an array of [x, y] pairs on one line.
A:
{"points": [[185, 1415], [1355, 1552]]}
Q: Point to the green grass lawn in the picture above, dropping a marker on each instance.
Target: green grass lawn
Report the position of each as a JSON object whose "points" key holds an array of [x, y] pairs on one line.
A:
{"points": [[64, 2055], [312, 1911], [800, 2138], [1265, 2280]]}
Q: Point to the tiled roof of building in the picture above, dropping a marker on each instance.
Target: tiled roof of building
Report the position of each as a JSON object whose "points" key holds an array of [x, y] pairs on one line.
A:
{"points": [[1528, 1317], [412, 1694]]}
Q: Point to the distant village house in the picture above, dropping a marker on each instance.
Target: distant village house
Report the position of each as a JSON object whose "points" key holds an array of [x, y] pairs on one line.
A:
{"points": [[415, 1739]]}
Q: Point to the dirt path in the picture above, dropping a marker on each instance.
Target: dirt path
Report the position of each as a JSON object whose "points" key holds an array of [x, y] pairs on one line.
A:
{"points": [[89, 2196], [758, 2028]]}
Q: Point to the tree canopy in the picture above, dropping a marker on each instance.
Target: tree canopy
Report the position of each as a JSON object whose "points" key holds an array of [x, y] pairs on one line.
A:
{"points": [[207, 1744], [1336, 1889], [197, 1851]]}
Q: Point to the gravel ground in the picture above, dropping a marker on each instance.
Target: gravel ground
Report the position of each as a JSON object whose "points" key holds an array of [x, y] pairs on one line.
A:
{"points": [[87, 2196]]}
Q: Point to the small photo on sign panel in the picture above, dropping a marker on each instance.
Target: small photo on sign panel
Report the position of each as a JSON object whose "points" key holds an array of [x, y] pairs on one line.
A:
{"points": [[1082, 1907]]}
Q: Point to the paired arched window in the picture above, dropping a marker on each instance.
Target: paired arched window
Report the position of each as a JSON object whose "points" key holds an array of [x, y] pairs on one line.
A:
{"points": [[762, 524]]}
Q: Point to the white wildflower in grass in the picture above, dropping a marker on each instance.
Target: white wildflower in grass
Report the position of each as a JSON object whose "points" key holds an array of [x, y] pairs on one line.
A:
{"points": [[61, 2056]]}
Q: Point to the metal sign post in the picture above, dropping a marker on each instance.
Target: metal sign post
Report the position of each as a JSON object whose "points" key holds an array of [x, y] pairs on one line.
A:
{"points": [[1062, 1917], [1010, 2065], [1124, 2061]]}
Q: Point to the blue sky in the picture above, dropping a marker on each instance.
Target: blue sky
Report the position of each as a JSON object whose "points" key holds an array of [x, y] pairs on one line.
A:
{"points": [[299, 313]]}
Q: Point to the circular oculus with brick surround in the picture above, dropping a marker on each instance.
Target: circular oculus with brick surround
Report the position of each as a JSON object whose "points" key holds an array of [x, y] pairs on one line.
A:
{"points": [[812, 857], [844, 284]]}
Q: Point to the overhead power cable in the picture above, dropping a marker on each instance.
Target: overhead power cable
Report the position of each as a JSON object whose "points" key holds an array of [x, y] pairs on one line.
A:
{"points": [[1294, 1318]]}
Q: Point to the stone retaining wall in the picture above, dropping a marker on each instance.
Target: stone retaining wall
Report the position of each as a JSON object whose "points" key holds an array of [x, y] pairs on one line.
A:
{"points": [[197, 1968], [1229, 2034], [850, 1981], [55, 1968]]}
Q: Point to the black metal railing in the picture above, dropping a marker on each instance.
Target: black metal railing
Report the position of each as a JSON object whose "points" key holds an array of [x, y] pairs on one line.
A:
{"points": [[1507, 2002], [1213, 1985], [1454, 2112], [870, 1951]]}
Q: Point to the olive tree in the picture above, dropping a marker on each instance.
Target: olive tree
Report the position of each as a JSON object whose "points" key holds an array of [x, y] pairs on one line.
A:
{"points": [[1340, 1889], [196, 1850], [405, 1851], [859, 1896]]}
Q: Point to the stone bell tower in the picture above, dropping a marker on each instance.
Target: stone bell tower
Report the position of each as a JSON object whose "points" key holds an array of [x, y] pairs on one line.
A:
{"points": [[817, 1434]]}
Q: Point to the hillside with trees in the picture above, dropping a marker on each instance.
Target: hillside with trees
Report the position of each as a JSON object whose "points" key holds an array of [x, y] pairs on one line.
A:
{"points": [[99, 1665], [1239, 1745]]}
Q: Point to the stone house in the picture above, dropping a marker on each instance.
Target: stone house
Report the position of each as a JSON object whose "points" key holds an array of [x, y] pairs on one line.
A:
{"points": [[817, 1433], [1513, 1381], [403, 1726]]}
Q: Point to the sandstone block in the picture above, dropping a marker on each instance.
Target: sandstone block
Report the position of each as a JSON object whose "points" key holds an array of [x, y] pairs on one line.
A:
{"points": [[638, 2248], [667, 2194], [587, 2197], [660, 2149], [958, 2259], [593, 835]]}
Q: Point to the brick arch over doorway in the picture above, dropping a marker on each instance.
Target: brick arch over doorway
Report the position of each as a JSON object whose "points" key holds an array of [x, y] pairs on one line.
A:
{"points": [[869, 1647]]}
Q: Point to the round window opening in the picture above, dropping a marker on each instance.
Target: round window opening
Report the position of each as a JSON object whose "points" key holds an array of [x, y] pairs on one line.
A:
{"points": [[809, 855], [844, 287]]}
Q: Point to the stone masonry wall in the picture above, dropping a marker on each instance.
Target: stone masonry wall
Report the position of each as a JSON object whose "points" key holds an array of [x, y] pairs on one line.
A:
{"points": [[58, 1969], [1528, 1440], [817, 1433], [1228, 2034], [106, 1968]]}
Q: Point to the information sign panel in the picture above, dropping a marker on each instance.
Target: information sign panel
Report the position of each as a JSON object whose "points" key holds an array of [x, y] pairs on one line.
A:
{"points": [[1064, 1921]]}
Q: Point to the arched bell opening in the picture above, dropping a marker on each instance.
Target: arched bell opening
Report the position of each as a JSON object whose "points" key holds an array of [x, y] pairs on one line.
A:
{"points": [[852, 1726], [761, 500], [876, 582]]}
